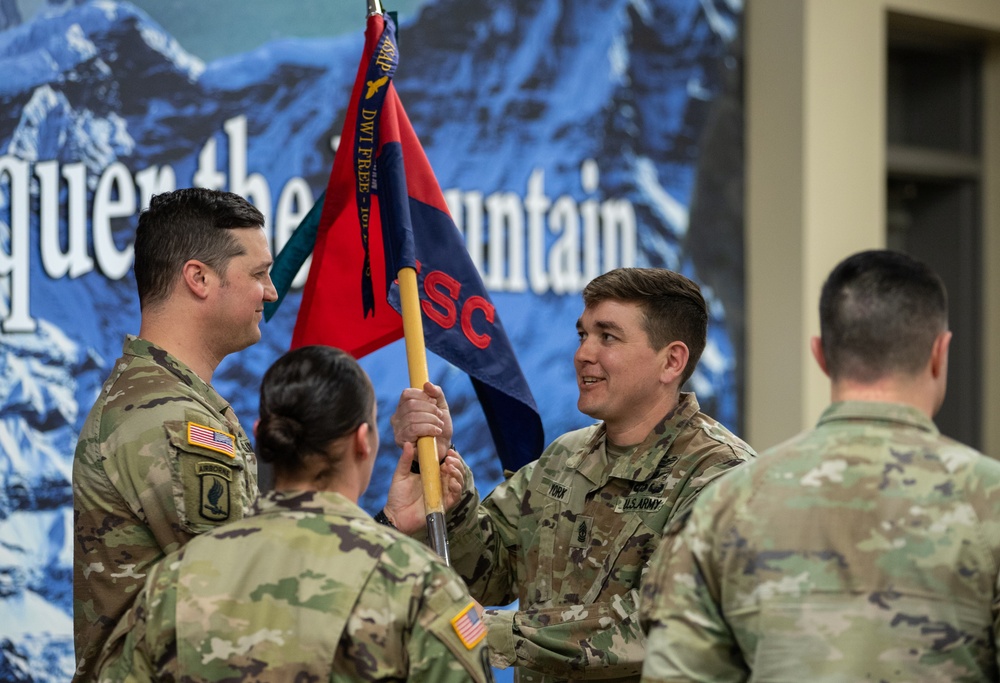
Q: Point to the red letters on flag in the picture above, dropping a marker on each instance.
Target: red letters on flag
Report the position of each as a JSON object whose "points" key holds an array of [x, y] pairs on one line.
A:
{"points": [[388, 212]]}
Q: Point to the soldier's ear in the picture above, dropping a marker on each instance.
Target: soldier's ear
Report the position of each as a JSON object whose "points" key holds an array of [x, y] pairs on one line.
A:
{"points": [[816, 346], [196, 277], [362, 444], [673, 360], [939, 355]]}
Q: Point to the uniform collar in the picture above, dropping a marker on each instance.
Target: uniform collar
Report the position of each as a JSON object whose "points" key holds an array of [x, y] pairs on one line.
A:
{"points": [[592, 460], [311, 502], [141, 348], [874, 411]]}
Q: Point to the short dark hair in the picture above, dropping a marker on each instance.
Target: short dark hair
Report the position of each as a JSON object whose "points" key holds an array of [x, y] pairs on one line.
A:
{"points": [[880, 312], [191, 223], [310, 397], [672, 305]]}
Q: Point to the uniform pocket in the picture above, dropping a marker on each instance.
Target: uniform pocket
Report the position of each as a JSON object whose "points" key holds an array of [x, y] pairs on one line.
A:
{"points": [[208, 475]]}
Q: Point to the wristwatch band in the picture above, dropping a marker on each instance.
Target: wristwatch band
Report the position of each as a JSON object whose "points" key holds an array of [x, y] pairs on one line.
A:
{"points": [[381, 518]]}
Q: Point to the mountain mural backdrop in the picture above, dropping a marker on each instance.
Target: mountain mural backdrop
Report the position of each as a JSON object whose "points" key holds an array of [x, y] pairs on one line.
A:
{"points": [[570, 138]]}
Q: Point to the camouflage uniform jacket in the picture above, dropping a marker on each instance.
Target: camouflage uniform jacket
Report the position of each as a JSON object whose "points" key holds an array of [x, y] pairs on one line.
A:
{"points": [[865, 549], [161, 458], [309, 588], [570, 536]]}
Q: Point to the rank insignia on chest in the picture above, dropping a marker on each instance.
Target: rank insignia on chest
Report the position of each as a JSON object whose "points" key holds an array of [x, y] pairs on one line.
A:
{"points": [[212, 439], [469, 626], [582, 528]]}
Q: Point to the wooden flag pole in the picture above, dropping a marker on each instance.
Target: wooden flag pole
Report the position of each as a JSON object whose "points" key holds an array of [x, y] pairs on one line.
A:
{"points": [[416, 360]]}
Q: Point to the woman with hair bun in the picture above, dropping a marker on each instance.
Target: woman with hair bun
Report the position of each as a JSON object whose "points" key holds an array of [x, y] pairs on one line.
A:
{"points": [[309, 587]]}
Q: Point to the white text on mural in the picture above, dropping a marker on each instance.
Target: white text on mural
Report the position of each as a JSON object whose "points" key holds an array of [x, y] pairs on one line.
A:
{"points": [[519, 243]]}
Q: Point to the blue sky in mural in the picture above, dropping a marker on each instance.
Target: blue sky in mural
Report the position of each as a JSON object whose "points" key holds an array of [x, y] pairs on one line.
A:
{"points": [[98, 91], [196, 22]]}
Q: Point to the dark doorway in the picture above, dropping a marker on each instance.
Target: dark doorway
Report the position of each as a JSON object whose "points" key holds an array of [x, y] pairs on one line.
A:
{"points": [[933, 201]]}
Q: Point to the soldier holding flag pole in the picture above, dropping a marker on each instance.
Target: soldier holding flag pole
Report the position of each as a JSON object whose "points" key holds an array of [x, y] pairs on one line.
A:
{"points": [[570, 535], [384, 245]]}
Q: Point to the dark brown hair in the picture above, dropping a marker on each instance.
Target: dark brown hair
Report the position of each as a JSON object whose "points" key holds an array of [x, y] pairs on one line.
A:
{"points": [[672, 305], [309, 398], [880, 312], [191, 223]]}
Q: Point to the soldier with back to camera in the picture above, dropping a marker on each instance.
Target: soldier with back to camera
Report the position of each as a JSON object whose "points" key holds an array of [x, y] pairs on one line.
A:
{"points": [[866, 548]]}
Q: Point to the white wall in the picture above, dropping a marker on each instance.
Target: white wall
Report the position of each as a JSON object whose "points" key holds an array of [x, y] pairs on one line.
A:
{"points": [[815, 89]]}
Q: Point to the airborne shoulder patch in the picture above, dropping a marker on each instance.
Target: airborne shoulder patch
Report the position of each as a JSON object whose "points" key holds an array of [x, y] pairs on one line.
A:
{"points": [[469, 626], [214, 490], [208, 475], [212, 439]]}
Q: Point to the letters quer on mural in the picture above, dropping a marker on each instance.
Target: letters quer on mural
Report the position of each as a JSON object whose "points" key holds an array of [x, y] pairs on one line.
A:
{"points": [[591, 236], [527, 242]]}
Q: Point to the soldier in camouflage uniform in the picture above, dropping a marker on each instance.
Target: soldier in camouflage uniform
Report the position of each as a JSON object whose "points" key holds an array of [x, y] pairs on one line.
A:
{"points": [[162, 456], [866, 549], [571, 534], [309, 587]]}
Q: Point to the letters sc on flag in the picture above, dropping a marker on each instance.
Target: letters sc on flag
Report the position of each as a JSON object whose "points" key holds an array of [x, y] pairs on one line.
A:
{"points": [[383, 210]]}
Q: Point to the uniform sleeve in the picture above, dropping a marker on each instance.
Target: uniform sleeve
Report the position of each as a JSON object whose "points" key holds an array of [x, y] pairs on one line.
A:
{"points": [[448, 643], [710, 468], [483, 542], [156, 491], [128, 653], [129, 504], [179, 472], [124, 659], [206, 467], [687, 638], [599, 640]]}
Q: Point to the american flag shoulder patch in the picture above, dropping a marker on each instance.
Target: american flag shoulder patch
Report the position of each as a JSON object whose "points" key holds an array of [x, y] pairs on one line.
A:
{"points": [[469, 626], [212, 439]]}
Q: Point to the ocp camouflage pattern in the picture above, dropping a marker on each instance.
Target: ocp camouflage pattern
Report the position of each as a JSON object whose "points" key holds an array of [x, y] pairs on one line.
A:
{"points": [[141, 489], [865, 549], [570, 536], [309, 588]]}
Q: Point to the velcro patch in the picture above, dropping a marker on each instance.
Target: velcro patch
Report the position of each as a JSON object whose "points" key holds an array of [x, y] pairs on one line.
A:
{"points": [[215, 480], [639, 504], [553, 489], [582, 529], [469, 626], [212, 439]]}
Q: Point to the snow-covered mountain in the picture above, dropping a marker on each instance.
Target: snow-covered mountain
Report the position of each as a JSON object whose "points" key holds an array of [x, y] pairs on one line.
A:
{"points": [[596, 99]]}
